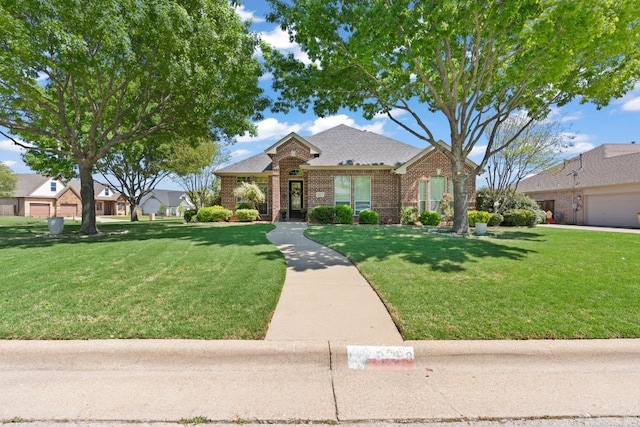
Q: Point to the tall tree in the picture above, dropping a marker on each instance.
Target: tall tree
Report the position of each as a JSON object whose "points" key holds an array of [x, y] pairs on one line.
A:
{"points": [[473, 62], [135, 169], [192, 168], [78, 78], [536, 148], [8, 181]]}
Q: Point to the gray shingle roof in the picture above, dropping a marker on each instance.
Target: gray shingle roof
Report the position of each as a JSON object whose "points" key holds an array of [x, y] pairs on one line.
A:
{"points": [[27, 183], [167, 197], [608, 164], [344, 145], [340, 146]]}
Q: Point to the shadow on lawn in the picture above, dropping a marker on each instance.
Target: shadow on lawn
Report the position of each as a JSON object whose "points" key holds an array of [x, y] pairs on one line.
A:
{"points": [[30, 236], [441, 252]]}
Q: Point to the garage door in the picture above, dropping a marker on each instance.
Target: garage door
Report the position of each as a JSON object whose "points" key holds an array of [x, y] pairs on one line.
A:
{"points": [[68, 210], [613, 210], [40, 210]]}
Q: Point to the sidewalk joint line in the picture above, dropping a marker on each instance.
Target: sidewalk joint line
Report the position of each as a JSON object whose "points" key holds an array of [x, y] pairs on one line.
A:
{"points": [[333, 386]]}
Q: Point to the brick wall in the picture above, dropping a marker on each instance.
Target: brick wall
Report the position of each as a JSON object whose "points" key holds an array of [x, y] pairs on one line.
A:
{"points": [[70, 198], [563, 200], [425, 168]]}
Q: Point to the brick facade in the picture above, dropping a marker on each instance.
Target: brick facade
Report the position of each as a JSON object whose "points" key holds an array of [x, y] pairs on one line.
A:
{"points": [[391, 189], [563, 208]]}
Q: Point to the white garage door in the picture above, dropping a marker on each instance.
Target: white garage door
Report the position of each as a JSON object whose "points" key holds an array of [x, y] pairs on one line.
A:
{"points": [[613, 210], [40, 210]]}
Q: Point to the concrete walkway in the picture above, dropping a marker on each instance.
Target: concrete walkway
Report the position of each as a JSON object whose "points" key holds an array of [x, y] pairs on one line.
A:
{"points": [[324, 297]]}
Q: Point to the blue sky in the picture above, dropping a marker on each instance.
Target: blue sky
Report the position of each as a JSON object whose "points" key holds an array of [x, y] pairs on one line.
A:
{"points": [[585, 126]]}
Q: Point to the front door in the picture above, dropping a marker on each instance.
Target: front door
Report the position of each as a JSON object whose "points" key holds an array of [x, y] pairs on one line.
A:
{"points": [[295, 199]]}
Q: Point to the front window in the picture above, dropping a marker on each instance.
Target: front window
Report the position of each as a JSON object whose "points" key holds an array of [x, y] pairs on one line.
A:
{"points": [[342, 190], [437, 187], [241, 179], [295, 172], [53, 186], [98, 206], [106, 191], [362, 193], [422, 196]]}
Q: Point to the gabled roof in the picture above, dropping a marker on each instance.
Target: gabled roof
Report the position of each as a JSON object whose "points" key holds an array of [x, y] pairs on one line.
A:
{"points": [[274, 147], [97, 190], [341, 146], [402, 169], [27, 183], [167, 197], [608, 164]]}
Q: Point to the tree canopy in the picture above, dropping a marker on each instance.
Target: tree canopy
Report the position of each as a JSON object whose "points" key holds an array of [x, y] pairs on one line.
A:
{"points": [[8, 181], [78, 78], [476, 63]]}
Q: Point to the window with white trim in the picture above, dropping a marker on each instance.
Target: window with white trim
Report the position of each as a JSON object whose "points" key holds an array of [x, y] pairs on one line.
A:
{"points": [[422, 196], [362, 193], [437, 187], [342, 190]]}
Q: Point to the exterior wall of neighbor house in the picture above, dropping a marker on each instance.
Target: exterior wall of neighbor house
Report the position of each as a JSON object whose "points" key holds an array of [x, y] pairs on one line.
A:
{"points": [[434, 163], [563, 205], [28, 202], [151, 205], [9, 206], [70, 198]]}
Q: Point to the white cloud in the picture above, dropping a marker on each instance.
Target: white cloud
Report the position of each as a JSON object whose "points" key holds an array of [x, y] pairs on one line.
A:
{"points": [[478, 150], [239, 153], [395, 113], [8, 145], [558, 115], [280, 40], [577, 143], [9, 163], [247, 15], [630, 101], [271, 129]]}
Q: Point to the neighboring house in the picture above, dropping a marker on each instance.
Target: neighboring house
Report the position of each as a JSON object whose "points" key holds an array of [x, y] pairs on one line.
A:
{"points": [[600, 187], [175, 202], [347, 166], [40, 196]]}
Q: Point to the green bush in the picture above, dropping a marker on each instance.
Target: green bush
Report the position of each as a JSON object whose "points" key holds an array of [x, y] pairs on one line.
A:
{"points": [[247, 215], [243, 206], [496, 219], [189, 214], [368, 216], [408, 216], [344, 214], [322, 214], [430, 218], [478, 216], [518, 217], [213, 214]]}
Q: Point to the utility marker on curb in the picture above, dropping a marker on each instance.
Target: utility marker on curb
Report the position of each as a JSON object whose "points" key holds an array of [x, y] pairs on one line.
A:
{"points": [[381, 358]]}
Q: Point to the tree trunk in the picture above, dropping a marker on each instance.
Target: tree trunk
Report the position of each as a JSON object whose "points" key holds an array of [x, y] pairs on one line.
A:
{"points": [[88, 225], [134, 212], [460, 197]]}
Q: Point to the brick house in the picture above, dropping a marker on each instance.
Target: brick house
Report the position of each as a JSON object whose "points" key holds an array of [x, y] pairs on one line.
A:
{"points": [[600, 187], [343, 165], [41, 196]]}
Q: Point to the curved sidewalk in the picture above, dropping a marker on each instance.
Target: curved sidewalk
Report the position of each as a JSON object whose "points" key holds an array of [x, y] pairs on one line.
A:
{"points": [[324, 297]]}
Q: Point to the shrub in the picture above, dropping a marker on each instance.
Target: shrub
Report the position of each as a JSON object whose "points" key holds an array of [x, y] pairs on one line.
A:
{"points": [[518, 217], [430, 218], [243, 206], [189, 214], [478, 216], [495, 220], [247, 215], [368, 216], [213, 214], [408, 216], [344, 214], [322, 214]]}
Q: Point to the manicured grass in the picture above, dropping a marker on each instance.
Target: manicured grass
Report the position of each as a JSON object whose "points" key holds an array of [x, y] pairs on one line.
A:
{"points": [[519, 284], [142, 280]]}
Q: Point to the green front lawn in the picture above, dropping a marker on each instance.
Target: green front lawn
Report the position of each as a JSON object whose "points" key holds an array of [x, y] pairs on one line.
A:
{"points": [[520, 284], [143, 280]]}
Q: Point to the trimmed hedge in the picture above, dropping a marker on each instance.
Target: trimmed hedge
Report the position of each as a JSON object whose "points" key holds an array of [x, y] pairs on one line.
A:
{"points": [[243, 206], [322, 214], [344, 214], [496, 219], [189, 214], [519, 218], [478, 216], [430, 218], [368, 216], [213, 214], [247, 215]]}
